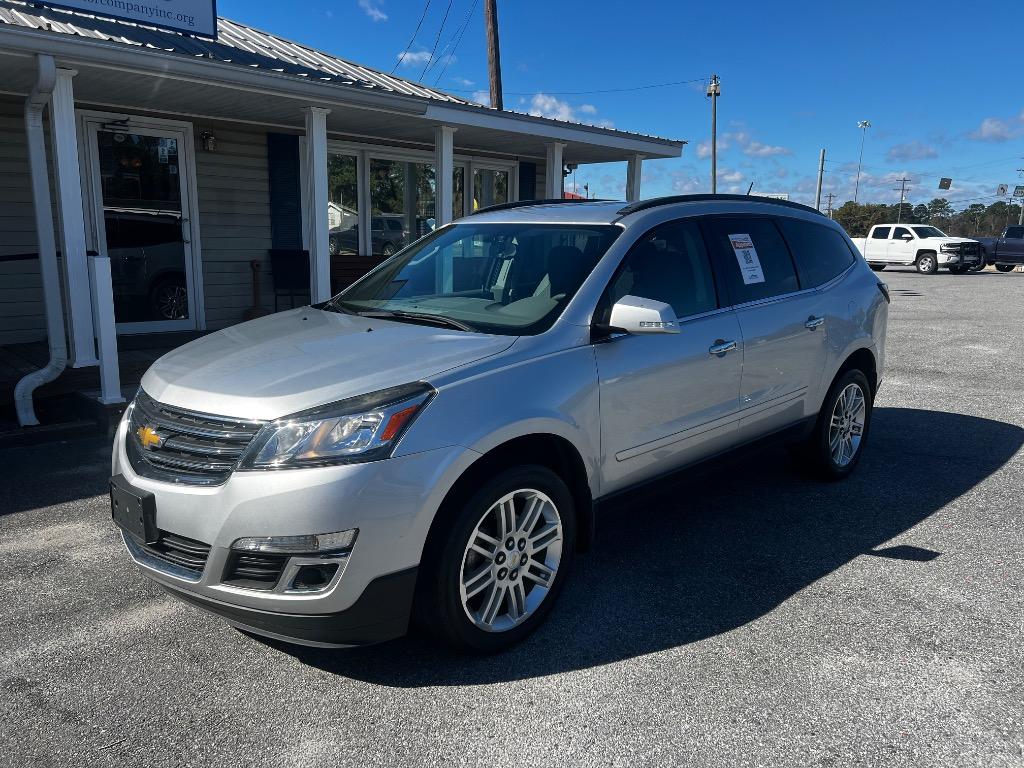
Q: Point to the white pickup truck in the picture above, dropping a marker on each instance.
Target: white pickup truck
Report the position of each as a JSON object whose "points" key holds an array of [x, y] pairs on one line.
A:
{"points": [[920, 245]]}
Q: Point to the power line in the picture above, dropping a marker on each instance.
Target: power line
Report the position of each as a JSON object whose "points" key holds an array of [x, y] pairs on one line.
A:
{"points": [[437, 39], [588, 93], [460, 33], [412, 39]]}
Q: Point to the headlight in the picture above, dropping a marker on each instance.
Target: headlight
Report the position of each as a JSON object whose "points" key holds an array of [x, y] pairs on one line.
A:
{"points": [[949, 247], [364, 428]]}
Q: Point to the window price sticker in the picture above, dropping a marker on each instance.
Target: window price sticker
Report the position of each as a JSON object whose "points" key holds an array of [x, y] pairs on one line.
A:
{"points": [[746, 256]]}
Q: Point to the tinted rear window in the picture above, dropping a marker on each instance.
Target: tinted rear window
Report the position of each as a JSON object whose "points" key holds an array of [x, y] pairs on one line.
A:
{"points": [[820, 252], [753, 255], [1015, 233], [880, 233]]}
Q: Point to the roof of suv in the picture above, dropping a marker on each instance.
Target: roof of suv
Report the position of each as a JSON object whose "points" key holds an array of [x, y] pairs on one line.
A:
{"points": [[607, 211]]}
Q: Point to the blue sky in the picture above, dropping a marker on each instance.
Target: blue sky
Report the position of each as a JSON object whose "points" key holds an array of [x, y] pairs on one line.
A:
{"points": [[940, 82]]}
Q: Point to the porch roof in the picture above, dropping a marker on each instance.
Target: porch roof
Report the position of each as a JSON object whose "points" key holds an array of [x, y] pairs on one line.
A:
{"points": [[234, 77]]}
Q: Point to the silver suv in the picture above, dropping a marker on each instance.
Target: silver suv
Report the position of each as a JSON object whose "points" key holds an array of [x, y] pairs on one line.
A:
{"points": [[432, 443]]}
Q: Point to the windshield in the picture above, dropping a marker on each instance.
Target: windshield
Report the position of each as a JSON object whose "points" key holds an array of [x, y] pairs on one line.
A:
{"points": [[928, 232], [493, 278]]}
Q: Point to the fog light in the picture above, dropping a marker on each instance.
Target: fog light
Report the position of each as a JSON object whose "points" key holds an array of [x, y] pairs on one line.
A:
{"points": [[314, 543], [311, 578]]}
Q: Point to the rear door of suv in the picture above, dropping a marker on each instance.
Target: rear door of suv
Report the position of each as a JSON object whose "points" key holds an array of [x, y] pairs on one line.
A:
{"points": [[784, 322]]}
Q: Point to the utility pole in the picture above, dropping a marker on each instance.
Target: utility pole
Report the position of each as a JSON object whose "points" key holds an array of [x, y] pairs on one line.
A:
{"points": [[903, 193], [821, 176], [493, 52], [714, 91], [863, 125], [1020, 216], [831, 196]]}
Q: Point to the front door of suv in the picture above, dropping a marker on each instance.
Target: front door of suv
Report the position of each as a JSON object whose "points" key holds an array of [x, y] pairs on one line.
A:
{"points": [[667, 399], [784, 327]]}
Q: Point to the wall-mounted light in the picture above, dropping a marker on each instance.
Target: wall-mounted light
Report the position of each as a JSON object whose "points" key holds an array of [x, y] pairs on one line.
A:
{"points": [[209, 141]]}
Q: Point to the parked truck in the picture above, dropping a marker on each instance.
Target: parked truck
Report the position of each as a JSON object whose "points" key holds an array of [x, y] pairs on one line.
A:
{"points": [[921, 246], [1005, 251]]}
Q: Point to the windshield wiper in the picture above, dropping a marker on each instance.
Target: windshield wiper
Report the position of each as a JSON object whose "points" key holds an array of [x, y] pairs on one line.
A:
{"points": [[425, 317]]}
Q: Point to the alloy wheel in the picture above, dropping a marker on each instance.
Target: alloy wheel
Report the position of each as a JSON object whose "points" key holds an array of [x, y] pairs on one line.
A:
{"points": [[847, 427], [172, 302], [511, 559]]}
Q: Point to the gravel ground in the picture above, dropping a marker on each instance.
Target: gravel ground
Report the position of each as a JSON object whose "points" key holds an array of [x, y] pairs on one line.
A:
{"points": [[778, 622]]}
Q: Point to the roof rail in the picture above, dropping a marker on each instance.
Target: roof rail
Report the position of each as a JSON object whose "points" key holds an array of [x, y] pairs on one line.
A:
{"points": [[527, 203], [656, 202]]}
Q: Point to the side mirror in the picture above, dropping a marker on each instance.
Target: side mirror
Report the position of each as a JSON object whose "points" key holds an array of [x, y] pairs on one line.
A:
{"points": [[906, 238], [634, 314]]}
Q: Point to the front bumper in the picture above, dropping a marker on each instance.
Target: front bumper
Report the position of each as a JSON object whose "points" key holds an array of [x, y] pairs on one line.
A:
{"points": [[958, 258], [391, 502]]}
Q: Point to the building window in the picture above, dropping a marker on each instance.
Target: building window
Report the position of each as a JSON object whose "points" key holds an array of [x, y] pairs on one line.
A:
{"points": [[402, 197], [490, 187], [343, 205]]}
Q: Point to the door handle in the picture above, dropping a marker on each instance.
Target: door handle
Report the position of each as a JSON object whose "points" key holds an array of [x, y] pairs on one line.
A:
{"points": [[813, 322], [720, 347]]}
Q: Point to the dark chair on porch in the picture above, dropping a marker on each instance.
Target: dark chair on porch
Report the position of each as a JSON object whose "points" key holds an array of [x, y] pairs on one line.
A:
{"points": [[289, 271]]}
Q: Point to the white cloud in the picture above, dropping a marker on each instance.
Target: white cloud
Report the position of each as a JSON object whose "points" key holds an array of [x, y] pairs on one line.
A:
{"points": [[413, 58], [911, 150], [464, 82], [757, 149], [730, 176], [372, 8], [543, 105], [997, 130], [482, 97]]}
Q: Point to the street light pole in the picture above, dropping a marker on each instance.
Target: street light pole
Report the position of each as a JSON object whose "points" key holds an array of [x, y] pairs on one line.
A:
{"points": [[863, 125]]}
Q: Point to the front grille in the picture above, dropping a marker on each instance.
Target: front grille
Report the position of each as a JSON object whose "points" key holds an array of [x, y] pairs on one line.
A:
{"points": [[185, 446], [180, 551], [254, 570]]}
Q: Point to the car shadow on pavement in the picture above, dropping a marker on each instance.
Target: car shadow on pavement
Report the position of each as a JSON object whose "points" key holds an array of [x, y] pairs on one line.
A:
{"points": [[38, 476], [691, 558]]}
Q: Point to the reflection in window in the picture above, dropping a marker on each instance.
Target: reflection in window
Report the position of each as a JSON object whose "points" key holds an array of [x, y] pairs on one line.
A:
{"points": [[458, 193], [402, 197], [490, 187], [343, 204]]}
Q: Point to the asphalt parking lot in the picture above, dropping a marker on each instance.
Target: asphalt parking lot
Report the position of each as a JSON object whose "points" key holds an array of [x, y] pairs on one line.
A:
{"points": [[765, 621]]}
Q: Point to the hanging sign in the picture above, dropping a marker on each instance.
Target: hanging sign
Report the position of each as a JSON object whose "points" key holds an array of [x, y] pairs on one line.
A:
{"points": [[196, 17]]}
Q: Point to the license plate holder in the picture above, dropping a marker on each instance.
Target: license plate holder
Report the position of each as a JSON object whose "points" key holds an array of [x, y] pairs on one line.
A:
{"points": [[133, 510]]}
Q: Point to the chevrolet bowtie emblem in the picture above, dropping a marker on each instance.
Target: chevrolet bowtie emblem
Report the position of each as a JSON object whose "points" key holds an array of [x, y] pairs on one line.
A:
{"points": [[149, 437]]}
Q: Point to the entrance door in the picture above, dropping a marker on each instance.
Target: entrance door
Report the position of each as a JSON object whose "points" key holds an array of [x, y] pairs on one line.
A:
{"points": [[140, 194]]}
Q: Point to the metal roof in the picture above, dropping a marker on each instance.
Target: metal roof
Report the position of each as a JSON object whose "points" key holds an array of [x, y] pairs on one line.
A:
{"points": [[236, 44]]}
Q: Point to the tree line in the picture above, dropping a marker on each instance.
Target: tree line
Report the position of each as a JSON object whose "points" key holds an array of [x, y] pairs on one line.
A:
{"points": [[976, 219]]}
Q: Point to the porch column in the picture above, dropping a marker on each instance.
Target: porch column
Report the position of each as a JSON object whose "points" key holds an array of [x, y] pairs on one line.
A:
{"points": [[444, 164], [71, 216], [633, 173], [317, 199], [553, 178]]}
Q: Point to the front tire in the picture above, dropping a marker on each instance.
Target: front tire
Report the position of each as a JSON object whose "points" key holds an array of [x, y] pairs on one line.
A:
{"points": [[1005, 267], [833, 450], [505, 554], [959, 270], [927, 263]]}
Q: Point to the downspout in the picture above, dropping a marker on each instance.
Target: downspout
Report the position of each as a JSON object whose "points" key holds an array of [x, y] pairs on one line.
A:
{"points": [[34, 105]]}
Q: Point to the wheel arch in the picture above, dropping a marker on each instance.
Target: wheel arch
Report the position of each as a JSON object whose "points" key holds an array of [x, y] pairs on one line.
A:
{"points": [[862, 358], [548, 450]]}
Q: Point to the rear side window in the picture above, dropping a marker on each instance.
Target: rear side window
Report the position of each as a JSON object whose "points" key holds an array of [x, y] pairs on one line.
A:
{"points": [[753, 257], [670, 264], [820, 252], [1015, 233], [880, 233]]}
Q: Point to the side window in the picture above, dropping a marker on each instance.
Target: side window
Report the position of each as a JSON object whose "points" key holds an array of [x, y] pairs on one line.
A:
{"points": [[753, 256], [899, 232], [820, 252], [880, 233], [670, 264], [1014, 233]]}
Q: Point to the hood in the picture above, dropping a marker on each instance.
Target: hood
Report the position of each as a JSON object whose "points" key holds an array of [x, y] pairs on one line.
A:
{"points": [[941, 240], [302, 358]]}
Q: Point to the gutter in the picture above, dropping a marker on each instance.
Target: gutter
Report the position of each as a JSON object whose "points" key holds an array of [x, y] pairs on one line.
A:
{"points": [[35, 103]]}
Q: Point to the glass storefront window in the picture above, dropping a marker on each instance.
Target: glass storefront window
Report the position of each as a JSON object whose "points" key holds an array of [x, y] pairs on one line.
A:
{"points": [[402, 200], [343, 205], [490, 187]]}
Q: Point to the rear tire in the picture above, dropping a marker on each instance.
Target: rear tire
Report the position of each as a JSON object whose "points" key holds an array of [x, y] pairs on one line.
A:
{"points": [[877, 267], [476, 593], [833, 449], [927, 263], [1005, 267]]}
